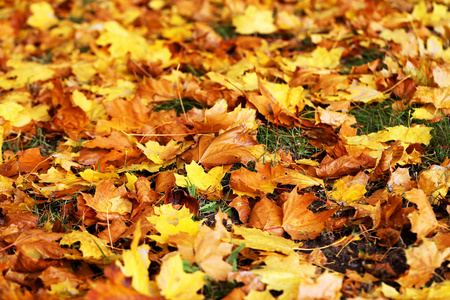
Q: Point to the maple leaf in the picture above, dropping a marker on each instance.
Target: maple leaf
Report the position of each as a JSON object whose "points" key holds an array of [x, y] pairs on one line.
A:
{"points": [[122, 41], [92, 248], [169, 221], [247, 183], [230, 147], [284, 273], [262, 240], [196, 176], [135, 265], [349, 189], [320, 58], [424, 220], [301, 223], [266, 215], [175, 283], [209, 252], [254, 20], [15, 109], [42, 16], [109, 200], [24, 73], [422, 261]]}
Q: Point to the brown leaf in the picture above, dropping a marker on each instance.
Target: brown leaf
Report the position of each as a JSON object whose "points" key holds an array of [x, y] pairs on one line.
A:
{"points": [[344, 165], [181, 198], [242, 206]]}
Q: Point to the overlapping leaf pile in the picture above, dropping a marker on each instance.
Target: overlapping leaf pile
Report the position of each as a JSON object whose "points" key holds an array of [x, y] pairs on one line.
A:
{"points": [[103, 192]]}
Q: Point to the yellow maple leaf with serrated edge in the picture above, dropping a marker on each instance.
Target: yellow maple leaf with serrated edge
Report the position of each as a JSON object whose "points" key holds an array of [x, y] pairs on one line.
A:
{"points": [[203, 182], [24, 73], [347, 194], [161, 154], [284, 273], [169, 221], [288, 97], [374, 141], [175, 283], [42, 16], [93, 248], [135, 265], [122, 41], [320, 58], [254, 20]]}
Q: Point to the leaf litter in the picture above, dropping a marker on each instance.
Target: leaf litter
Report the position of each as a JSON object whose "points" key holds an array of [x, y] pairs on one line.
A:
{"points": [[136, 163]]}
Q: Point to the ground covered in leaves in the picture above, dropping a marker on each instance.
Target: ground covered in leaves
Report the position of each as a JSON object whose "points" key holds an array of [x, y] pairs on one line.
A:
{"points": [[224, 149]]}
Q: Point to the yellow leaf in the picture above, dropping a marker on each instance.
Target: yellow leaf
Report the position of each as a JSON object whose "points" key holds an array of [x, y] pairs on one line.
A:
{"points": [[92, 176], [284, 273], [418, 134], [161, 154], [320, 58], [290, 98], [439, 97], [425, 113], [204, 182], [254, 20], [24, 73], [262, 240], [131, 179], [122, 41], [257, 295], [435, 181], [175, 283], [93, 248], [63, 288], [344, 191], [42, 16], [135, 265], [169, 221], [423, 221], [5, 185], [80, 100]]}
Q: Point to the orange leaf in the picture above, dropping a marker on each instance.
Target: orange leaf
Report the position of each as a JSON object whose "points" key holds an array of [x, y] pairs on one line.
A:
{"points": [[267, 215], [423, 221], [244, 182], [301, 223], [109, 201], [31, 160], [229, 147], [242, 206]]}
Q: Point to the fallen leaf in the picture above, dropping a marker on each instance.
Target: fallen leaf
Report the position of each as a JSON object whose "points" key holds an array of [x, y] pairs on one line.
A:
{"points": [[175, 283], [267, 215], [422, 261], [301, 223], [261, 240]]}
